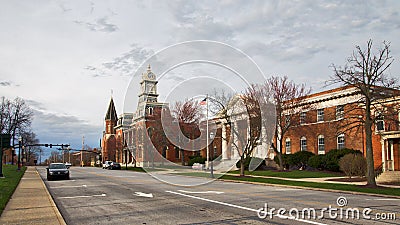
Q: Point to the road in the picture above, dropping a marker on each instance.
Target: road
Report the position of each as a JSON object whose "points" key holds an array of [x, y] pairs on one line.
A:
{"points": [[97, 196]]}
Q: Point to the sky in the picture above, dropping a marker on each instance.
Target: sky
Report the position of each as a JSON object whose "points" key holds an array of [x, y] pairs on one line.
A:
{"points": [[67, 58]]}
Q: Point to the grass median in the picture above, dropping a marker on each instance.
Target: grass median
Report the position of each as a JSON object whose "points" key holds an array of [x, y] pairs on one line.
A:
{"points": [[327, 186], [307, 184], [9, 183], [295, 174]]}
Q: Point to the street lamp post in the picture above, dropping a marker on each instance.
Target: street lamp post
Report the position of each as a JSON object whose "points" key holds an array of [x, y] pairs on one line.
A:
{"points": [[69, 154], [212, 135], [19, 152], [126, 155]]}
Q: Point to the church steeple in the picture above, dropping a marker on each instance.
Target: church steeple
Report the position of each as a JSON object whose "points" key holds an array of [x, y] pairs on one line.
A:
{"points": [[111, 118], [111, 112]]}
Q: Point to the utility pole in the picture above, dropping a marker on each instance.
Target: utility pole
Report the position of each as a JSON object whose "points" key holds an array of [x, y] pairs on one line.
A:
{"points": [[83, 143]]}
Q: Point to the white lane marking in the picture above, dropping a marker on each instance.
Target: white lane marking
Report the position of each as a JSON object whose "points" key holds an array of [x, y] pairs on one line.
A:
{"points": [[141, 194], [202, 192], [124, 176], [84, 196], [242, 207], [383, 199]]}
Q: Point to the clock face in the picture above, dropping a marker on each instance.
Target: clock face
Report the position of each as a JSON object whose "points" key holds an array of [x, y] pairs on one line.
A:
{"points": [[151, 75]]}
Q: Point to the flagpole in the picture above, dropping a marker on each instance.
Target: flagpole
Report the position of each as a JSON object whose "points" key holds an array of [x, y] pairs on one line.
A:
{"points": [[208, 154]]}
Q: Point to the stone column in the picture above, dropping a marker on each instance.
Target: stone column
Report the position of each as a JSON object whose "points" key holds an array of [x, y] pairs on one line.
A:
{"points": [[224, 143], [383, 155]]}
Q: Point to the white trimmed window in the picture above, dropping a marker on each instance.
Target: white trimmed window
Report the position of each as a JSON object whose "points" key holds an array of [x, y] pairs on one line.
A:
{"points": [[321, 145], [380, 123], [303, 116], [303, 144], [288, 146], [340, 141], [320, 115], [339, 112]]}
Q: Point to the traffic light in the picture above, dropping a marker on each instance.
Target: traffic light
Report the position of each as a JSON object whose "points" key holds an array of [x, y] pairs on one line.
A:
{"points": [[46, 145], [51, 145]]}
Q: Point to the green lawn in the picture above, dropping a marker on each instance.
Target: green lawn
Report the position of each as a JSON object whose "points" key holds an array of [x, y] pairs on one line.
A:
{"points": [[329, 186], [9, 183], [296, 174], [341, 187]]}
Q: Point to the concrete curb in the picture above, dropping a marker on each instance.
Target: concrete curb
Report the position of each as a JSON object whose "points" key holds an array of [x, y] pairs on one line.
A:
{"points": [[54, 206]]}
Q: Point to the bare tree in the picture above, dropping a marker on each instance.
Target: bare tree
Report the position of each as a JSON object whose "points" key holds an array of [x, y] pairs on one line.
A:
{"points": [[242, 114], [30, 152], [250, 135], [366, 71], [15, 118], [187, 113], [286, 97]]}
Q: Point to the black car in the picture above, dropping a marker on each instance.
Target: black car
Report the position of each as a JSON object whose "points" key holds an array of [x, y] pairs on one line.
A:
{"points": [[115, 166], [57, 170]]}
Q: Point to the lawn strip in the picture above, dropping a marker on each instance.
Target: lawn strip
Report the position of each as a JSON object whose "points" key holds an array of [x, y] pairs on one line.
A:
{"points": [[9, 183]]}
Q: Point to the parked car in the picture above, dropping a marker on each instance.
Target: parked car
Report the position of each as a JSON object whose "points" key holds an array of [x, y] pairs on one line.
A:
{"points": [[57, 170], [68, 165], [115, 166], [107, 164]]}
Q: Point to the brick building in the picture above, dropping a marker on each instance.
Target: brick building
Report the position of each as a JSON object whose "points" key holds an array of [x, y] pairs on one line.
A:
{"points": [[109, 140], [139, 138], [323, 124]]}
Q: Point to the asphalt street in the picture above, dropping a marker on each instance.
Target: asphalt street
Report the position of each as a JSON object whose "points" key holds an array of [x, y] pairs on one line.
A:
{"points": [[97, 196]]}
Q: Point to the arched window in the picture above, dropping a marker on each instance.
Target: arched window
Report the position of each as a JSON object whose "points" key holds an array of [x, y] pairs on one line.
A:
{"points": [[150, 111], [340, 141], [321, 144], [288, 146], [303, 144]]}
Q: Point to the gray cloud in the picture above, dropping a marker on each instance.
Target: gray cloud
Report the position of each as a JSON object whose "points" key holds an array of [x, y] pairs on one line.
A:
{"points": [[101, 25], [5, 83], [59, 128], [125, 64]]}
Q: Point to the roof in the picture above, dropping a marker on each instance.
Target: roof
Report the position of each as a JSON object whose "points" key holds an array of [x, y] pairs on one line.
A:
{"points": [[111, 113]]}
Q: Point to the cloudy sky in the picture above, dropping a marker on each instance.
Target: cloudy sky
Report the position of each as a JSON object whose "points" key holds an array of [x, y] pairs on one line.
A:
{"points": [[65, 57]]}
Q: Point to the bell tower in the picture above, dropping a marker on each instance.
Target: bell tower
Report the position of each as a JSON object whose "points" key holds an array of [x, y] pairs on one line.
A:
{"points": [[148, 94]]}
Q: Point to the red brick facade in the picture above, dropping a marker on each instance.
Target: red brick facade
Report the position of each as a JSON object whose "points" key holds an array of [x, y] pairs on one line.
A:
{"points": [[337, 107]]}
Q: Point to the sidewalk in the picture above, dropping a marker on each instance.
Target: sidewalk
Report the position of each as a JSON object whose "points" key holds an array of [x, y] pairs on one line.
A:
{"points": [[31, 203]]}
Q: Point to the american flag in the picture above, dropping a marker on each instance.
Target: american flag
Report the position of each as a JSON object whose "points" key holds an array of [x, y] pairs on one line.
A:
{"points": [[204, 101]]}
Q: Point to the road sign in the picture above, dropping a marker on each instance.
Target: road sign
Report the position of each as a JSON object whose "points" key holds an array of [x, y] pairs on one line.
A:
{"points": [[5, 140], [4, 143]]}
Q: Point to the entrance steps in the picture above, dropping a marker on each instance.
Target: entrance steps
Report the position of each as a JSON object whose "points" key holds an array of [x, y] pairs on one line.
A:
{"points": [[388, 177]]}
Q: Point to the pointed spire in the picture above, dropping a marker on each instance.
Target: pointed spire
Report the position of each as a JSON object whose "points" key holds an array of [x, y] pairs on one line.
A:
{"points": [[111, 112]]}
